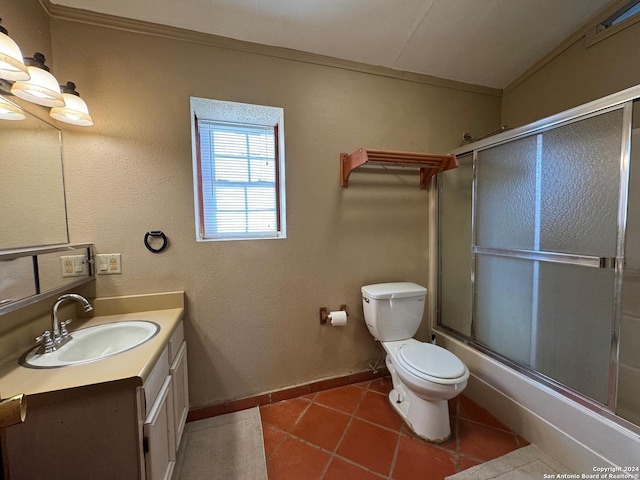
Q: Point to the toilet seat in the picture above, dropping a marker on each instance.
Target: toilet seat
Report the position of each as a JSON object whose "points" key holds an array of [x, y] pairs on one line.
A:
{"points": [[431, 362]]}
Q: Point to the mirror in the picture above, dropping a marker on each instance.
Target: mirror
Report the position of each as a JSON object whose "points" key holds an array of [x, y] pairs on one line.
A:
{"points": [[31, 274], [16, 280], [33, 215], [33, 209]]}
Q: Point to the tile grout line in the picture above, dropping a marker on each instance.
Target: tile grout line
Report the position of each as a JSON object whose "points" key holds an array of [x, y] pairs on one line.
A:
{"points": [[384, 427], [344, 431], [454, 449], [394, 458], [398, 433], [286, 432], [457, 463], [333, 454], [366, 387], [498, 429], [299, 417], [276, 447]]}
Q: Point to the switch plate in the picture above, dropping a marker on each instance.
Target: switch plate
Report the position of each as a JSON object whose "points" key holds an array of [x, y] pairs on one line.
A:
{"points": [[74, 266], [108, 263]]}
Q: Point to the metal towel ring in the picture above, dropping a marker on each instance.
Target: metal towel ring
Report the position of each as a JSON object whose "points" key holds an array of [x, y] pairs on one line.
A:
{"points": [[156, 234]]}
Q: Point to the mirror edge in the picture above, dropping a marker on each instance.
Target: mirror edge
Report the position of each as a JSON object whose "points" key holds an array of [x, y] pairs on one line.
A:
{"points": [[34, 251]]}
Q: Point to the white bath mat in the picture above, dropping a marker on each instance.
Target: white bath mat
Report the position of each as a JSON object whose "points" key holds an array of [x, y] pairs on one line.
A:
{"points": [[226, 447], [526, 463]]}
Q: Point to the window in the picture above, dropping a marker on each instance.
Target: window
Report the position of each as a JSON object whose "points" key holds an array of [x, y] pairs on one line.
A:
{"points": [[238, 165], [617, 17], [628, 11]]}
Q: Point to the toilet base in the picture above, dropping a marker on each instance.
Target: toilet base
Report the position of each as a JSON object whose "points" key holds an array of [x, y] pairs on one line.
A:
{"points": [[426, 418], [422, 404]]}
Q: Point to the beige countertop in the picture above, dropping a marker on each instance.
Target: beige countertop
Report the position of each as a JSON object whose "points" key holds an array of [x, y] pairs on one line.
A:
{"points": [[132, 364]]}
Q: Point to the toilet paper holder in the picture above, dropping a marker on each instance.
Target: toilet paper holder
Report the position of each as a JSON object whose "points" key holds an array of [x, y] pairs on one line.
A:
{"points": [[324, 314]]}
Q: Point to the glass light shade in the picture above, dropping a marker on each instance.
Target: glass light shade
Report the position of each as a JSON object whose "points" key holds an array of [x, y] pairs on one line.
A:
{"points": [[9, 111], [41, 89], [11, 65], [75, 111]]}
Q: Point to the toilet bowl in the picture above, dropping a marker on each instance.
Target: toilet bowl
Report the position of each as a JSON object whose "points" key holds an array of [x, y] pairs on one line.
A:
{"points": [[424, 376]]}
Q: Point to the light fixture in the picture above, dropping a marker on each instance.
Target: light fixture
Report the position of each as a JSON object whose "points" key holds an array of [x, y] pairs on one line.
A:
{"points": [[11, 65], [75, 110], [9, 111], [42, 88]]}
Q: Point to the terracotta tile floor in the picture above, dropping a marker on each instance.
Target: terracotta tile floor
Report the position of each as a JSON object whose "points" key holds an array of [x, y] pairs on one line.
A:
{"points": [[352, 433]]}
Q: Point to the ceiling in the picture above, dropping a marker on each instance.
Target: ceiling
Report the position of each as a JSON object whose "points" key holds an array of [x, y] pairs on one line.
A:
{"points": [[482, 42]]}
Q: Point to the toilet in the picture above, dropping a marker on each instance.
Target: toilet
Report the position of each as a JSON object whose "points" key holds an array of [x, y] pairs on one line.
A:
{"points": [[424, 375]]}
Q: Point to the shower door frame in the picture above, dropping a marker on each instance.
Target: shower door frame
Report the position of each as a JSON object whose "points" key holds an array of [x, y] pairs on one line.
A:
{"points": [[621, 100]]}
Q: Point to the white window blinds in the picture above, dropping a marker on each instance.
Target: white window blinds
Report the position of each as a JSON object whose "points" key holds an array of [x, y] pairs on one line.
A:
{"points": [[238, 180]]}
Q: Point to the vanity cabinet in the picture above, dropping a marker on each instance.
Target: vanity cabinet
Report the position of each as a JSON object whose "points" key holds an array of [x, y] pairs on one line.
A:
{"points": [[118, 429], [166, 404], [159, 437], [180, 380]]}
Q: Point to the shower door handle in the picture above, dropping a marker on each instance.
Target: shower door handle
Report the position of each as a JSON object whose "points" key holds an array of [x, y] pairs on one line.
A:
{"points": [[609, 262], [552, 257]]}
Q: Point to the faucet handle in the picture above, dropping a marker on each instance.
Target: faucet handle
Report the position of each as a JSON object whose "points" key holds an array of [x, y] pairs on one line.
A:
{"points": [[46, 335], [63, 328], [47, 345]]}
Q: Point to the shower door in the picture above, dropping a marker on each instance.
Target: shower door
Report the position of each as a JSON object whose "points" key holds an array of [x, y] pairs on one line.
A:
{"points": [[546, 239]]}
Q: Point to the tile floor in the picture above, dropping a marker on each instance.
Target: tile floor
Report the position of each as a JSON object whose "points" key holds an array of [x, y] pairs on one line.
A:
{"points": [[352, 433]]}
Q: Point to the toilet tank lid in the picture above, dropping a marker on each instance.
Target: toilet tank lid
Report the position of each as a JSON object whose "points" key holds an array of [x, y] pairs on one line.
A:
{"points": [[394, 290]]}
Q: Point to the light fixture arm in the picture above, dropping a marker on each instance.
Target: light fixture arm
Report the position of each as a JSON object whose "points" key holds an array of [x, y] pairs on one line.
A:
{"points": [[2, 29], [37, 60], [69, 88]]}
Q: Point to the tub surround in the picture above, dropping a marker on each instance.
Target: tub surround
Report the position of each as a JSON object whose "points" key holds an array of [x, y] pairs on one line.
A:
{"points": [[165, 309], [574, 435]]}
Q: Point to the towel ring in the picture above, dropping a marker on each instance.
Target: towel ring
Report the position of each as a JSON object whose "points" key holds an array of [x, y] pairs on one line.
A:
{"points": [[156, 234]]}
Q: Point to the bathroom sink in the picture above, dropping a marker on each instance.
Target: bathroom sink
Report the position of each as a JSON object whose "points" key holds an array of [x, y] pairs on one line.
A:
{"points": [[94, 343]]}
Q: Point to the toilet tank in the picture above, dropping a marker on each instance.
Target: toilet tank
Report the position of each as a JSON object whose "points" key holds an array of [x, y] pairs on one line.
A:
{"points": [[393, 311]]}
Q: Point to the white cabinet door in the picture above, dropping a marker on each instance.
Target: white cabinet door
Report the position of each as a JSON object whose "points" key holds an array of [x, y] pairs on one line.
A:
{"points": [[159, 434], [178, 372]]}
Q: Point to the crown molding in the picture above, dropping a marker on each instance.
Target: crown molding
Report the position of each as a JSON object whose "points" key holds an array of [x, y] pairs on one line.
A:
{"points": [[60, 12], [571, 40]]}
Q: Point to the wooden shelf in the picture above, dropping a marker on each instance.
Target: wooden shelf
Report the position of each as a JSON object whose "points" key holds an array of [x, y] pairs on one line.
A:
{"points": [[428, 163]]}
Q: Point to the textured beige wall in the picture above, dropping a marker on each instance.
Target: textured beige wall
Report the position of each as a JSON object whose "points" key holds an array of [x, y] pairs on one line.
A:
{"points": [[252, 322], [578, 75]]}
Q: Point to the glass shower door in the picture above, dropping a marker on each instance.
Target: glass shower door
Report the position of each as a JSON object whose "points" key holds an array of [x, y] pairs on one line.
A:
{"points": [[547, 243], [628, 400], [455, 247]]}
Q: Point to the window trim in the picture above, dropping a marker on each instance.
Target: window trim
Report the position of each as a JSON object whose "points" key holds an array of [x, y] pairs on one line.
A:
{"points": [[598, 30], [230, 113], [198, 165]]}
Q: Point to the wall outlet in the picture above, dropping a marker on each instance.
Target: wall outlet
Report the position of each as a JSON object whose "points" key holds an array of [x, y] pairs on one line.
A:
{"points": [[74, 266], [108, 263]]}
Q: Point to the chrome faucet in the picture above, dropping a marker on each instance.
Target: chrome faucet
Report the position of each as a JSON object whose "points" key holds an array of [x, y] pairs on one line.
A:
{"points": [[59, 329], [59, 335]]}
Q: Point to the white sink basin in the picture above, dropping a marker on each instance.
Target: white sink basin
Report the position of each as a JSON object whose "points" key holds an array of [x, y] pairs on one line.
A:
{"points": [[94, 343]]}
